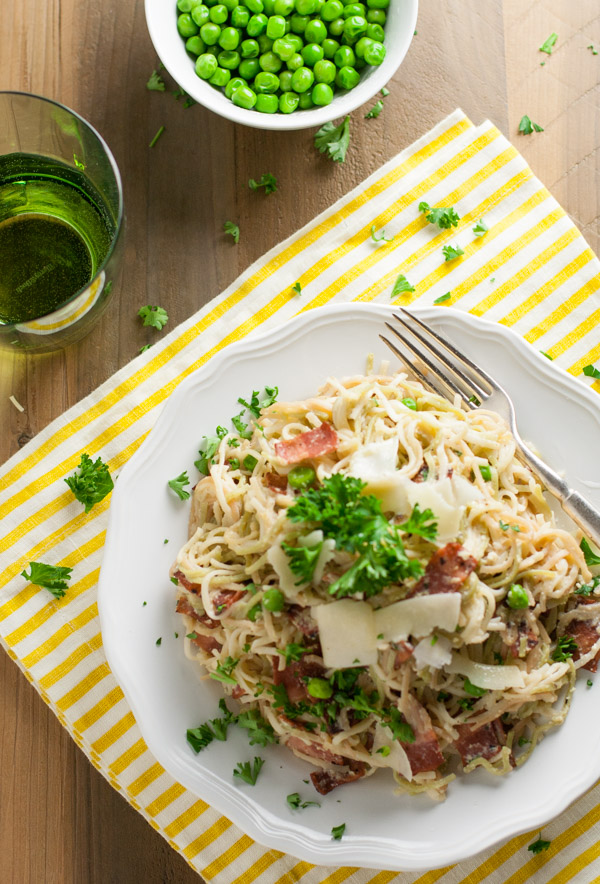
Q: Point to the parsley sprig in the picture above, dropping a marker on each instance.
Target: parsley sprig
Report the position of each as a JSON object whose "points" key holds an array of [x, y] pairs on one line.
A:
{"points": [[224, 670], [539, 845], [248, 771], [444, 216], [268, 181], [401, 286], [260, 731], [452, 252], [177, 485], [334, 140], [421, 523], [156, 317], [296, 803], [302, 560], [566, 646], [233, 230], [526, 127], [52, 577], [91, 482]]}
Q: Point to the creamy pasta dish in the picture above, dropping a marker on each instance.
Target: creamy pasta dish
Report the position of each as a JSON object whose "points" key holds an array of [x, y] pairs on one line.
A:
{"points": [[377, 579]]}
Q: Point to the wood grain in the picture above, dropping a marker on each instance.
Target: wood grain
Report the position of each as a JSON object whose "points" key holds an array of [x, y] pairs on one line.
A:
{"points": [[59, 820]]}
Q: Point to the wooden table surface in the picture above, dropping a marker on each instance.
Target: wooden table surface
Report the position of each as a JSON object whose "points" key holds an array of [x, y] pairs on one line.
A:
{"points": [[59, 820]]}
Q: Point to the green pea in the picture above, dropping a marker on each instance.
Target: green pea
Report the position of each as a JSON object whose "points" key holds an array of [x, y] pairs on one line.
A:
{"points": [[361, 45], [344, 57], [375, 32], [283, 7], [186, 26], [295, 40], [248, 68], [295, 62], [306, 7], [325, 72], [200, 14], [306, 101], [311, 53], [273, 599], [316, 31], [288, 102], [256, 25], [301, 477], [354, 9], [234, 84], [221, 77], [244, 97], [378, 4], [283, 49], [249, 49], [319, 688], [210, 3], [298, 23], [266, 82], [219, 14], [275, 26], [517, 597], [184, 5], [336, 27], [332, 9], [355, 27], [267, 104], [347, 77], [229, 38], [195, 45], [269, 7], [285, 81], [322, 94], [230, 4], [302, 79], [229, 59], [329, 47], [240, 17], [206, 65], [212, 50], [265, 44], [360, 64], [320, 5], [376, 16], [210, 33], [375, 53], [255, 6], [268, 61]]}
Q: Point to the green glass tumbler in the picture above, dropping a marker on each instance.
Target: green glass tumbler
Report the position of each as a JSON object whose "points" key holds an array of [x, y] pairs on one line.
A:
{"points": [[61, 224]]}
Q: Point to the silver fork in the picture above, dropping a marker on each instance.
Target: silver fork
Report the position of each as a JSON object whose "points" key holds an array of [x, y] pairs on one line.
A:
{"points": [[450, 373]]}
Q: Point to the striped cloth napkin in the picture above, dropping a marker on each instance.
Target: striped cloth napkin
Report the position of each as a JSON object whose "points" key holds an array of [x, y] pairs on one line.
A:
{"points": [[532, 271]]}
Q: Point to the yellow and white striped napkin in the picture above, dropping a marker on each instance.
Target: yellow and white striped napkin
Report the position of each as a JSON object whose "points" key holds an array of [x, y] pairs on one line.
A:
{"points": [[532, 271]]}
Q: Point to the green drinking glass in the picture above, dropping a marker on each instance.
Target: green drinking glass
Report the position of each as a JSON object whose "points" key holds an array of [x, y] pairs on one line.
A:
{"points": [[61, 221]]}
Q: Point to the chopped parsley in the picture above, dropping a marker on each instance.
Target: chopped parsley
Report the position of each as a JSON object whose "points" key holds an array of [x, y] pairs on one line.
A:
{"points": [[92, 483], [590, 556], [505, 526], [421, 523], [539, 845], [153, 316], [157, 136], [480, 228], [51, 577], [260, 731], [589, 682], [248, 771], [249, 462], [297, 288], [566, 646], [385, 92], [158, 642], [593, 48], [293, 653], [224, 671], [587, 589], [255, 405], [591, 372], [382, 237], [444, 216], [375, 111], [472, 689], [145, 347], [402, 285], [486, 472], [410, 403], [451, 253], [547, 355], [401, 729], [443, 298], [548, 44], [296, 803], [384, 750], [155, 82], [334, 140], [526, 127], [268, 181], [177, 484], [338, 831], [233, 230]]}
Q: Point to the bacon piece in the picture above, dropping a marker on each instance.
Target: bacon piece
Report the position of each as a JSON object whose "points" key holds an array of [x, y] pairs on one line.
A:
{"points": [[403, 653], [192, 587], [225, 598], [422, 474], [314, 443], [276, 482], [586, 635], [207, 642], [325, 781], [524, 631], [483, 742], [303, 621], [446, 571], [238, 692], [184, 607], [314, 750], [424, 754], [292, 678]]}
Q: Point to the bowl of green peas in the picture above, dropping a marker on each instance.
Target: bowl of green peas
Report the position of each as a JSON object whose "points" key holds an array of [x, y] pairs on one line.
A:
{"points": [[281, 64]]}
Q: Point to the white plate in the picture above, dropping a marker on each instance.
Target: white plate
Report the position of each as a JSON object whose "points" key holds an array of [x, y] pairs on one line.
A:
{"points": [[383, 830]]}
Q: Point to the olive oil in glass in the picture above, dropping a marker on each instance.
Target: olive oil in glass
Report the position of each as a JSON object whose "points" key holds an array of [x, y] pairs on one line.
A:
{"points": [[55, 232]]}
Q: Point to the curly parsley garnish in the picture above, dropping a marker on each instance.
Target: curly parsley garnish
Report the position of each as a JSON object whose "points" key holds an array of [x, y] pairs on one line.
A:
{"points": [[92, 483], [451, 253], [444, 216], [233, 230], [224, 671], [401, 286], [539, 845], [268, 181], [566, 646], [153, 316], [334, 140], [421, 523], [248, 771], [51, 577], [296, 803], [177, 484]]}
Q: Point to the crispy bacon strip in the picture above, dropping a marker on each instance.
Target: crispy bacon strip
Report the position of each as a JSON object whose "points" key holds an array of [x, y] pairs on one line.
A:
{"points": [[207, 642], [325, 781], [403, 653], [425, 753], [224, 597], [182, 579], [446, 571], [314, 750], [586, 635], [292, 678], [483, 742], [276, 483], [303, 621], [314, 443]]}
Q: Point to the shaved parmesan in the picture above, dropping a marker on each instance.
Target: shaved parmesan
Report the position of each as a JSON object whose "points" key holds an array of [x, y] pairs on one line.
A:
{"points": [[435, 655], [347, 633], [418, 616], [396, 758], [374, 460], [493, 678]]}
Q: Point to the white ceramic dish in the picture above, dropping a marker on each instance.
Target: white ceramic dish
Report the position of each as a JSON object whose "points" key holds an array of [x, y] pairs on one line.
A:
{"points": [[383, 830], [161, 17]]}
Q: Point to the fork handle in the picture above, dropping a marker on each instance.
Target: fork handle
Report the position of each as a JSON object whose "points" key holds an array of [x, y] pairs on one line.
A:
{"points": [[574, 504]]}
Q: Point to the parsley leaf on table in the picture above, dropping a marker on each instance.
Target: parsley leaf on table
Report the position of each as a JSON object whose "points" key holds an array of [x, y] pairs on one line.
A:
{"points": [[297, 288], [375, 111], [382, 237], [480, 228], [548, 44], [539, 845], [334, 140], [155, 82], [233, 230], [591, 372], [51, 577], [249, 771], [444, 216], [338, 831], [177, 484], [296, 803], [443, 298], [153, 316], [268, 181], [402, 285], [452, 252], [92, 483], [526, 127]]}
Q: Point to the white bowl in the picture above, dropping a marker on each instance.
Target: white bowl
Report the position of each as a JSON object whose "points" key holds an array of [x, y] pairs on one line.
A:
{"points": [[161, 16]]}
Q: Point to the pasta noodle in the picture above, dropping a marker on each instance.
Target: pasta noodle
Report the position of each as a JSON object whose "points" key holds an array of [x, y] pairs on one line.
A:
{"points": [[467, 648]]}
